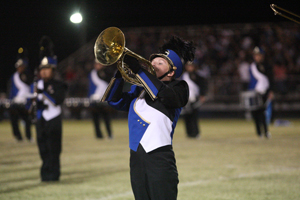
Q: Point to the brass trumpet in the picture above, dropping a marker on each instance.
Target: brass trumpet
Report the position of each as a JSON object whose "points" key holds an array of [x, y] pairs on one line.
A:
{"points": [[110, 48], [273, 7]]}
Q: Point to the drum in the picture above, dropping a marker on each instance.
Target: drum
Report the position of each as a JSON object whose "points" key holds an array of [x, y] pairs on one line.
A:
{"points": [[251, 100]]}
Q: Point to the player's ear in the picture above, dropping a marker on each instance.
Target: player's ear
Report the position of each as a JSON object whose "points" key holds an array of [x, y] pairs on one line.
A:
{"points": [[171, 73]]}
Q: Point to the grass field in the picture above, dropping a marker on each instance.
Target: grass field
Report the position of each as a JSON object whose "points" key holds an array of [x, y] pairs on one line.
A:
{"points": [[228, 162]]}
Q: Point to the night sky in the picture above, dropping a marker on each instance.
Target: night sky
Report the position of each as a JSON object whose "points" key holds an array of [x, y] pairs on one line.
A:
{"points": [[23, 23]]}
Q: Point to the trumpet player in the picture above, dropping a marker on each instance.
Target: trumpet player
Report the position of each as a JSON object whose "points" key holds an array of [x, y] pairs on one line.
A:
{"points": [[152, 118]]}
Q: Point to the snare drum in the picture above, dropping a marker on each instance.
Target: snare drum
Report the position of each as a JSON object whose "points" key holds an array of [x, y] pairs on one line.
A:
{"points": [[251, 100]]}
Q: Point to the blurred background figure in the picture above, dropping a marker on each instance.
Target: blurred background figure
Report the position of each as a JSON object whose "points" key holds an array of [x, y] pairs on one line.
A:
{"points": [[280, 77], [19, 91], [261, 81], [243, 64], [197, 92], [243, 70], [50, 96], [97, 87]]}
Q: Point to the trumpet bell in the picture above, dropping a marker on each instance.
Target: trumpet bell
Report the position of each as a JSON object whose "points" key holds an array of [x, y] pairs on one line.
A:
{"points": [[109, 46]]}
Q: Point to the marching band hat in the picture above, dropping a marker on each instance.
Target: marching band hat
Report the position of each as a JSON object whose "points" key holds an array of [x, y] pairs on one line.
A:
{"points": [[258, 50], [20, 62], [177, 52], [48, 62], [47, 57]]}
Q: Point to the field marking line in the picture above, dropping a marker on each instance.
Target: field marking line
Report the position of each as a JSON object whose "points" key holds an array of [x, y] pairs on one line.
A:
{"points": [[199, 182]]}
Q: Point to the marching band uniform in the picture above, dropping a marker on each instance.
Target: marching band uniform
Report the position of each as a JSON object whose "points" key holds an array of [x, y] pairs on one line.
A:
{"points": [[19, 92], [261, 81], [50, 97], [197, 90], [154, 110], [97, 87], [51, 94]]}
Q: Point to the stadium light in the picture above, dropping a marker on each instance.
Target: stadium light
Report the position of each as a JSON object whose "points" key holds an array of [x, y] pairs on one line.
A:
{"points": [[76, 18]]}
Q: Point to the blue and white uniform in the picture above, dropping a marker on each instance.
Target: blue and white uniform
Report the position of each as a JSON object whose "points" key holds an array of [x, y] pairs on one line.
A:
{"points": [[261, 79], [18, 94], [152, 116], [153, 108], [50, 97], [20, 90]]}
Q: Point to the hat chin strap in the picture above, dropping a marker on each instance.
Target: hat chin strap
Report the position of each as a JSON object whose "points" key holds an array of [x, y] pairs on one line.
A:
{"points": [[165, 74]]}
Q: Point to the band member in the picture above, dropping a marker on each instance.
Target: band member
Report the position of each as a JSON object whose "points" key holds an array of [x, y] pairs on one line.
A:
{"points": [[18, 94], [97, 87], [261, 81], [50, 96], [154, 110], [197, 90]]}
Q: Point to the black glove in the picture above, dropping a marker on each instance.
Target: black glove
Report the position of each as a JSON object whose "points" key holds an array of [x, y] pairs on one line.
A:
{"points": [[39, 91], [133, 63]]}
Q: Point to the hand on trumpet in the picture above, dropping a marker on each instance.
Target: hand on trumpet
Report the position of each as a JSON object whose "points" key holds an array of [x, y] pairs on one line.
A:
{"points": [[132, 63]]}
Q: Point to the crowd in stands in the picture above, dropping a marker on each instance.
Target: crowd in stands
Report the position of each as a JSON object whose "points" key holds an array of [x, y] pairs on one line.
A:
{"points": [[223, 54]]}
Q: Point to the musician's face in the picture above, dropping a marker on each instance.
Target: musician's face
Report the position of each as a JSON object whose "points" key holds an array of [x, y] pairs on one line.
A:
{"points": [[258, 58], [161, 66], [46, 73], [21, 68], [98, 66]]}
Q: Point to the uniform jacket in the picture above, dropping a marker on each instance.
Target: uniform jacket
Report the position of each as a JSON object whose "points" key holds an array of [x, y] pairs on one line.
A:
{"points": [[50, 98], [19, 87], [152, 115], [261, 78]]}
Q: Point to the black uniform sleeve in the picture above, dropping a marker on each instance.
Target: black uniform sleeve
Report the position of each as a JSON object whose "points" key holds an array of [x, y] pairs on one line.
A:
{"points": [[118, 91], [175, 94]]}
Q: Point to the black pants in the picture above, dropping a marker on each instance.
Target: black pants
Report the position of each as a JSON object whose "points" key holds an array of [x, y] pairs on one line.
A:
{"points": [[18, 112], [49, 139], [154, 175], [260, 121], [191, 123], [97, 113]]}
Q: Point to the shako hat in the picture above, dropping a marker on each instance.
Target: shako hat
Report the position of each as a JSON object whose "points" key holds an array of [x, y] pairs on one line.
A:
{"points": [[258, 50], [47, 57], [177, 52]]}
